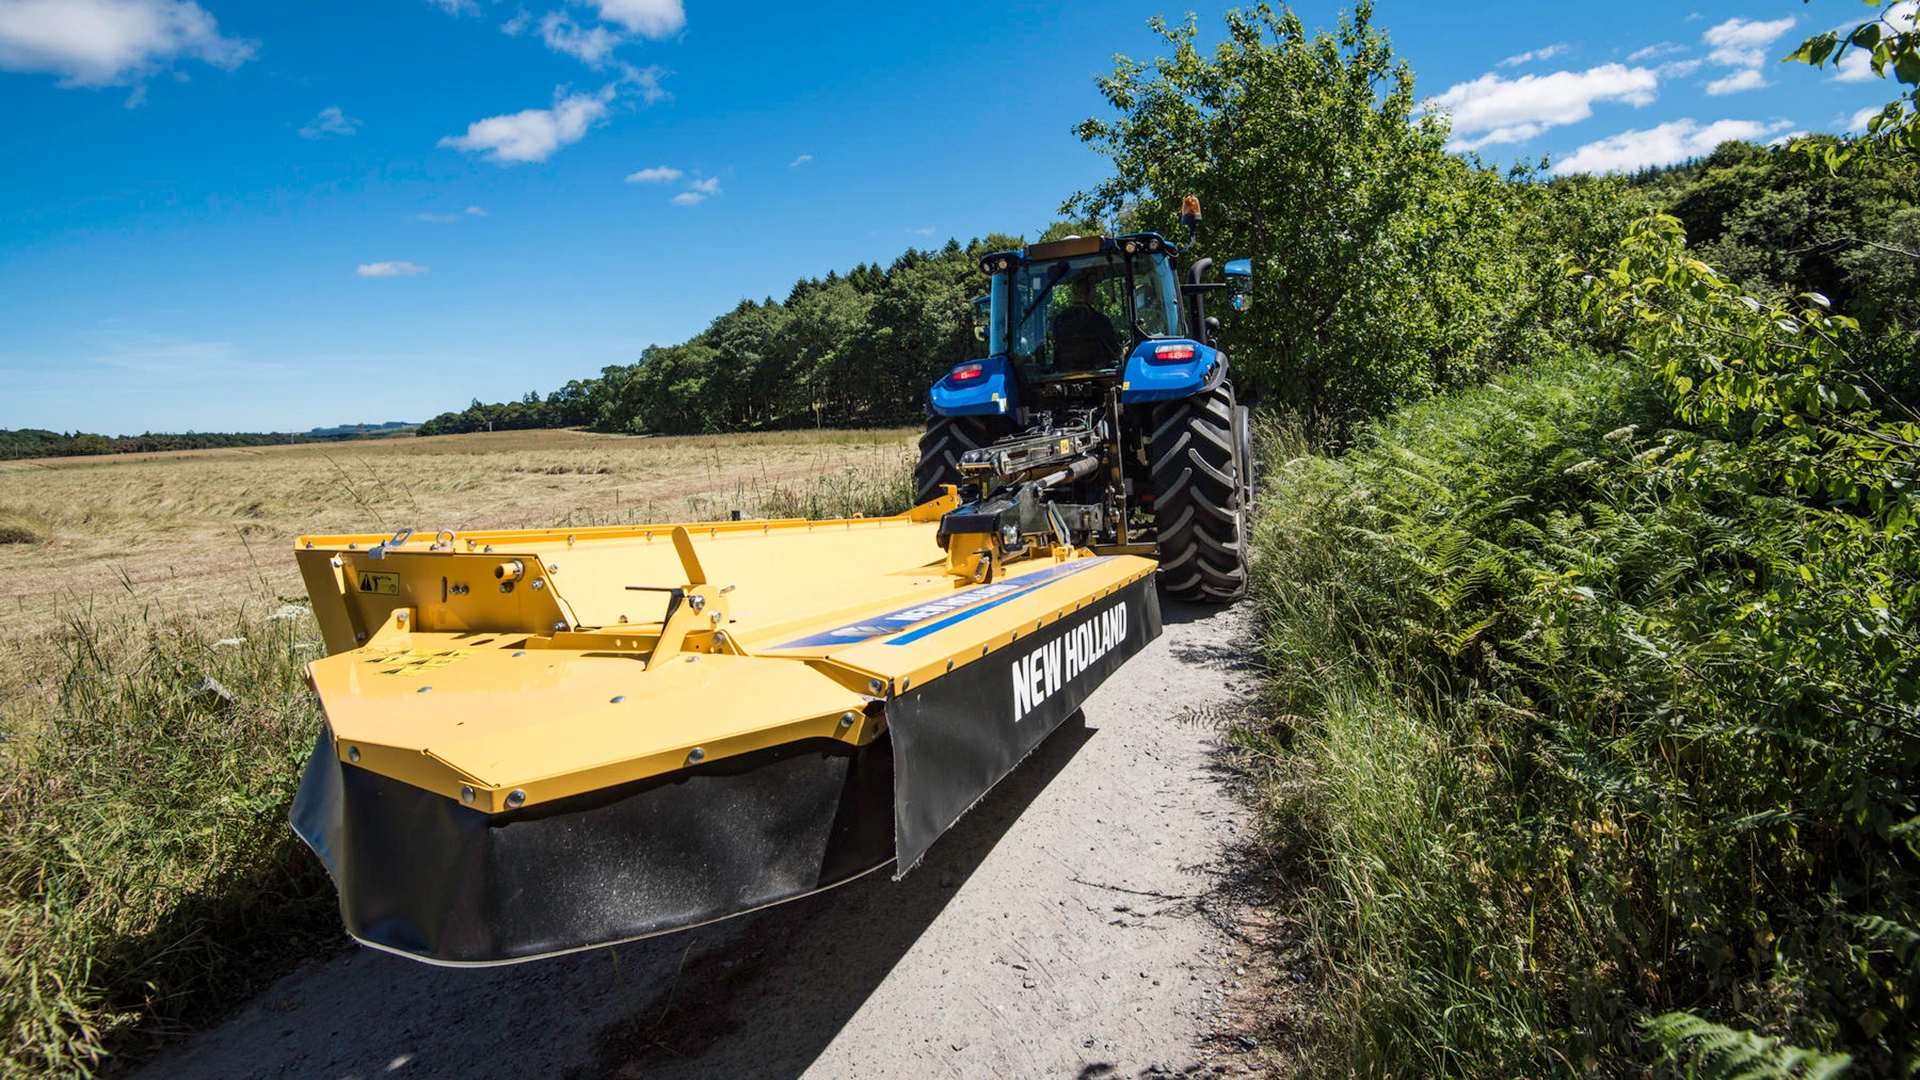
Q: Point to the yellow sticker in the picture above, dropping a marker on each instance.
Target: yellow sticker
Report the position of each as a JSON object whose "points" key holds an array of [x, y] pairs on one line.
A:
{"points": [[382, 584], [416, 661]]}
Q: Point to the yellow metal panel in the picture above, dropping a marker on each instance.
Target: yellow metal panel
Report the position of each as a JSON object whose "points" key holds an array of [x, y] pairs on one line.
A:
{"points": [[456, 670]]}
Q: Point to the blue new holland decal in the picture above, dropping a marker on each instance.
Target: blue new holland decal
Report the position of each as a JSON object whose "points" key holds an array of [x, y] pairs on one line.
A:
{"points": [[974, 601]]}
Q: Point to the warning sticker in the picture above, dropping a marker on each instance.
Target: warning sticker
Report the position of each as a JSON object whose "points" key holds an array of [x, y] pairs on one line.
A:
{"points": [[382, 584], [416, 661]]}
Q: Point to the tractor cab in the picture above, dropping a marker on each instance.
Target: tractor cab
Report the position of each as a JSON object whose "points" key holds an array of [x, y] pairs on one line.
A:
{"points": [[1079, 306], [1067, 322]]}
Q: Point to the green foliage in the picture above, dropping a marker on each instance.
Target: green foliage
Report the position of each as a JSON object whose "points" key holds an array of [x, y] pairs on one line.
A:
{"points": [[34, 442], [1713, 1052], [1764, 219], [1775, 377], [1387, 267], [1892, 46], [148, 879], [1637, 714]]}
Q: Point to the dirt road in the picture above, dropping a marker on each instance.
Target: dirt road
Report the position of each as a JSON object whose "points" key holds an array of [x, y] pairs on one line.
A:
{"points": [[1067, 926]]}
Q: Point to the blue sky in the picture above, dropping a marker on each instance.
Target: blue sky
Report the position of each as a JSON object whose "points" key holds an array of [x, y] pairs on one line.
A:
{"points": [[218, 215]]}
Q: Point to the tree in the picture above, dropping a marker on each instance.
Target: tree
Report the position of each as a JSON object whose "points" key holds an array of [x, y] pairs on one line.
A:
{"points": [[1384, 266], [1890, 43]]}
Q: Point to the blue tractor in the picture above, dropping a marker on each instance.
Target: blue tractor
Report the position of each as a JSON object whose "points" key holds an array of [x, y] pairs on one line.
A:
{"points": [[1102, 416]]}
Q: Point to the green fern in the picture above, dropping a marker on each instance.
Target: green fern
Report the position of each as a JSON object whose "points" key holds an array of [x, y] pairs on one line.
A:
{"points": [[1709, 1051]]}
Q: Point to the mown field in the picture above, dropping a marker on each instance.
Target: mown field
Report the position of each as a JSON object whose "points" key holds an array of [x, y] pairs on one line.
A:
{"points": [[153, 717]]}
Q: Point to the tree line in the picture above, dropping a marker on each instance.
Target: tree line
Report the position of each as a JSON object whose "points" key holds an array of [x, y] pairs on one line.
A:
{"points": [[38, 442]]}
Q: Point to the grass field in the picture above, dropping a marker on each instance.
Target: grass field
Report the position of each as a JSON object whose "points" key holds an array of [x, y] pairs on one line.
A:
{"points": [[153, 717], [209, 531]]}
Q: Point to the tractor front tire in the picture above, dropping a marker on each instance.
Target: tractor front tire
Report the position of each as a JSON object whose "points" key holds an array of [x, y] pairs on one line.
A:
{"points": [[1199, 473], [946, 438]]}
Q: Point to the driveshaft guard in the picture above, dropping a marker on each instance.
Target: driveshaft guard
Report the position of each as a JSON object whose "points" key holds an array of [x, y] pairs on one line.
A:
{"points": [[956, 737]]}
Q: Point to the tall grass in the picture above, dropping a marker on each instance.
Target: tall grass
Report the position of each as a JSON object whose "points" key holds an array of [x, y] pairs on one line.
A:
{"points": [[147, 874], [1544, 791]]}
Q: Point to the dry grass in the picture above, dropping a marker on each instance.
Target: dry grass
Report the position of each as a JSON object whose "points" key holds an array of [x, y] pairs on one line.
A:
{"points": [[208, 531], [153, 718]]}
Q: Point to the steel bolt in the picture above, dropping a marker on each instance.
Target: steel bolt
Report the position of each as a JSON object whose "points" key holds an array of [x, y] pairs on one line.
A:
{"points": [[423, 690], [516, 798], [875, 685], [466, 795], [696, 756], [539, 584], [904, 683], [846, 720], [353, 754], [617, 699]]}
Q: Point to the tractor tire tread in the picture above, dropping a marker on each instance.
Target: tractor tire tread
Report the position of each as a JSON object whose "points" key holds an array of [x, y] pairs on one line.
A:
{"points": [[1198, 496]]}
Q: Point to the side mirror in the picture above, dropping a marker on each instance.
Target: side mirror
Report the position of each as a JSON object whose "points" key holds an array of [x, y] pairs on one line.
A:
{"points": [[1239, 273], [1239, 281]]}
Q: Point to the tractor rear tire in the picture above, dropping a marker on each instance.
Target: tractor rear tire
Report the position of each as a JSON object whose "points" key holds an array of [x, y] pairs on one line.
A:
{"points": [[946, 438], [1200, 471]]}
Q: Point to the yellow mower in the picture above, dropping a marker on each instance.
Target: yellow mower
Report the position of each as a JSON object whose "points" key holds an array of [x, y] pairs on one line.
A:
{"points": [[545, 740]]}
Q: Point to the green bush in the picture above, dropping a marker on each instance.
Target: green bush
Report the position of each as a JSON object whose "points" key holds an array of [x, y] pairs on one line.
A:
{"points": [[148, 878], [1593, 720]]}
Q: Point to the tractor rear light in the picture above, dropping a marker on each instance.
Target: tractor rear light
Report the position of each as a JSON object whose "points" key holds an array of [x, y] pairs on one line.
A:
{"points": [[966, 372], [1173, 352]]}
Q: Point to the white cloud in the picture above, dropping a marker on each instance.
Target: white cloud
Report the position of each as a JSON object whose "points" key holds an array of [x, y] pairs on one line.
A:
{"points": [[1742, 44], [1658, 49], [1667, 144], [533, 134], [648, 18], [437, 219], [517, 25], [659, 174], [799, 161], [1492, 109], [456, 7], [590, 46], [647, 79], [1745, 79], [475, 211], [1547, 53], [1859, 121], [698, 191], [390, 269], [1856, 65], [330, 121], [1678, 69], [1783, 140], [104, 42]]}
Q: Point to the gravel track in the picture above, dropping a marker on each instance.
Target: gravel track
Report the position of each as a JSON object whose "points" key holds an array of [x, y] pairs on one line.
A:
{"points": [[1073, 924]]}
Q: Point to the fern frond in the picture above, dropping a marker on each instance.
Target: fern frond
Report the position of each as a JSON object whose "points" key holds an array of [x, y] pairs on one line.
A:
{"points": [[1714, 1052]]}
